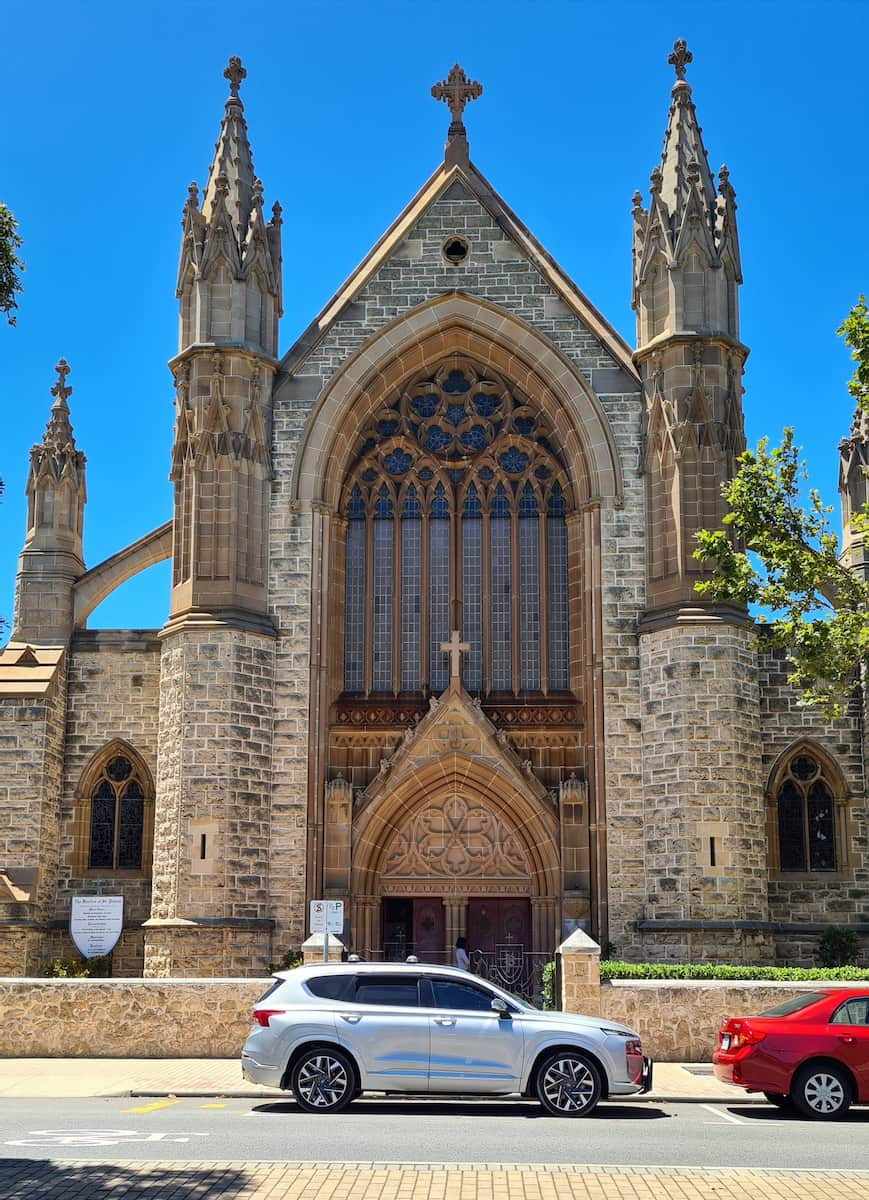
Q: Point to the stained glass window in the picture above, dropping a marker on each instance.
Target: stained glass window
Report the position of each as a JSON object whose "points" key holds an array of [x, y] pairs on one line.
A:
{"points": [[454, 489], [411, 583], [529, 591], [117, 817], [472, 590], [439, 589], [806, 818]]}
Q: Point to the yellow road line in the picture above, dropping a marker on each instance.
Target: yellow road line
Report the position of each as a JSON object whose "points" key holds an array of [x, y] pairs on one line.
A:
{"points": [[212, 1106], [146, 1108]]}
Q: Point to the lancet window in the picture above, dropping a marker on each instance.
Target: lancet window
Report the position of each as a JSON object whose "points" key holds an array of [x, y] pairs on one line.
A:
{"points": [[806, 813], [456, 512], [117, 816]]}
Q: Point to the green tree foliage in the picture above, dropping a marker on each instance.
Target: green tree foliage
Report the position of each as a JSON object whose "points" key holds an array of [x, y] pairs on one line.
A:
{"points": [[782, 554], [10, 264]]}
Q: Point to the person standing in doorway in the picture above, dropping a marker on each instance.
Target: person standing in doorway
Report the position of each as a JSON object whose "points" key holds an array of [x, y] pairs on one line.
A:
{"points": [[461, 955]]}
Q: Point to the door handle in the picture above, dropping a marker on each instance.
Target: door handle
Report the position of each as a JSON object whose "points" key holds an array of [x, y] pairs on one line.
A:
{"points": [[847, 1037], [444, 1020], [351, 1018]]}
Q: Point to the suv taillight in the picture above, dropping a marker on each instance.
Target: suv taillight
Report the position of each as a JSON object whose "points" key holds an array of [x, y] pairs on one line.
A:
{"points": [[634, 1056], [261, 1015]]}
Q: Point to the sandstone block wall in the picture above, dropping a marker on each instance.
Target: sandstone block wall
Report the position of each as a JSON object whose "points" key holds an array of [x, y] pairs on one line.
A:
{"points": [[839, 897], [704, 813], [497, 271], [198, 1018]]}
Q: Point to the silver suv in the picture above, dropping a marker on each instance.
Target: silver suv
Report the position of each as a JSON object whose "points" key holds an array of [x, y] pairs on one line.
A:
{"points": [[332, 1031]]}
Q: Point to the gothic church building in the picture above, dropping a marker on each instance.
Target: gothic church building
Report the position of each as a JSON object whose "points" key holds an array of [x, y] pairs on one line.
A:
{"points": [[433, 646]]}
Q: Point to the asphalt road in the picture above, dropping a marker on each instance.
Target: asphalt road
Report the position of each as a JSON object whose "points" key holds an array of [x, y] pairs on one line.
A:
{"points": [[411, 1131]]}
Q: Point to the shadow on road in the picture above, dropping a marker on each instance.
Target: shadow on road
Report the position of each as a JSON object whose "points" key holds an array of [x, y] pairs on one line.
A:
{"points": [[24, 1179], [528, 1111], [762, 1112]]}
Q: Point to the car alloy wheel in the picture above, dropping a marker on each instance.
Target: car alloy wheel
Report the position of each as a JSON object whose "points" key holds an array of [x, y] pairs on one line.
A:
{"points": [[568, 1085], [822, 1091], [323, 1081]]}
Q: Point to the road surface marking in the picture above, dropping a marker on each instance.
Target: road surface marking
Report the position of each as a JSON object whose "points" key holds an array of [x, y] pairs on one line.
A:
{"points": [[146, 1108], [725, 1116], [212, 1106]]}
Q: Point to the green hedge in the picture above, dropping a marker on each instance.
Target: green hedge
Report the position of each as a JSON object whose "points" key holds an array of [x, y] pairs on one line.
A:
{"points": [[624, 970]]}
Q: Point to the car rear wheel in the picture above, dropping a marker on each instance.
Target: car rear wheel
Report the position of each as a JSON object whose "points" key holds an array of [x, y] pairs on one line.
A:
{"points": [[822, 1090], [568, 1084], [323, 1080], [779, 1100]]}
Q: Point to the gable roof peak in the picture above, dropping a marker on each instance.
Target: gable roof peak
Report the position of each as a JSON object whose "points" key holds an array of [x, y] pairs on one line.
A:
{"points": [[457, 91]]}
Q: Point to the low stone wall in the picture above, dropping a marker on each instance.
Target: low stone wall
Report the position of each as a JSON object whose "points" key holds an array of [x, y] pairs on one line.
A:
{"points": [[126, 1018], [678, 1019], [210, 1018]]}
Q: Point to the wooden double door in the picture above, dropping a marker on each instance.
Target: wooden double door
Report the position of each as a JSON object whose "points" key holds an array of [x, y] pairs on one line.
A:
{"points": [[417, 925]]}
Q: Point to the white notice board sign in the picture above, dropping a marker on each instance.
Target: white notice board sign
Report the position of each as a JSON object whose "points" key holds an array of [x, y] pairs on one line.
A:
{"points": [[327, 916], [95, 923]]}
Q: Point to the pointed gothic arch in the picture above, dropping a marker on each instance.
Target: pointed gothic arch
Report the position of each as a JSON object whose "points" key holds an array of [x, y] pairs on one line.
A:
{"points": [[807, 812], [113, 830]]}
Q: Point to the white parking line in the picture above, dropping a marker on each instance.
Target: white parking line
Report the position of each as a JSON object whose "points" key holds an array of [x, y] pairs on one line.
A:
{"points": [[725, 1116]]}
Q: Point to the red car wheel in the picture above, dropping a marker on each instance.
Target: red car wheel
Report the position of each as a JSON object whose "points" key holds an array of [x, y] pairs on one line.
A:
{"points": [[822, 1091]]}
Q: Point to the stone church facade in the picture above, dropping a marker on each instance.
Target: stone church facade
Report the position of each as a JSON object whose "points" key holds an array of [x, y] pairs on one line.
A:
{"points": [[433, 646]]}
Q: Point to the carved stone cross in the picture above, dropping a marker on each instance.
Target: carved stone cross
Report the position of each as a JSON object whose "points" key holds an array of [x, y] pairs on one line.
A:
{"points": [[60, 390], [234, 72], [455, 648], [457, 91], [680, 58]]}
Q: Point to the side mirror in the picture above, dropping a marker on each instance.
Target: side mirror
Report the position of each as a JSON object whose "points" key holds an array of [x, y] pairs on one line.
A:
{"points": [[500, 1007]]}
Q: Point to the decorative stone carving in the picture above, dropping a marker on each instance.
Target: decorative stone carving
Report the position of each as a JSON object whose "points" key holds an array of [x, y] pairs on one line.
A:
{"points": [[460, 838]]}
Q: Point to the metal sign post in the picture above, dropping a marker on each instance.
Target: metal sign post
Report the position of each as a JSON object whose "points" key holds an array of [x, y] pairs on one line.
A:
{"points": [[327, 916]]}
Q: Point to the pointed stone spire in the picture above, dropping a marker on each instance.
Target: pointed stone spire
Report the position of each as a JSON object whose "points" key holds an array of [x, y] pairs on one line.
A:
{"points": [[689, 232], [854, 491], [231, 173], [686, 275], [456, 91], [51, 559]]}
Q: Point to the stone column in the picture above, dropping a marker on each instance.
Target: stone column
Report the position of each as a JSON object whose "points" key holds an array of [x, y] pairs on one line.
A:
{"points": [[580, 975], [544, 935]]}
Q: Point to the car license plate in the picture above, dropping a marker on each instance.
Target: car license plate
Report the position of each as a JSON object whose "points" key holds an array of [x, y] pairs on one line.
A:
{"points": [[725, 1041]]}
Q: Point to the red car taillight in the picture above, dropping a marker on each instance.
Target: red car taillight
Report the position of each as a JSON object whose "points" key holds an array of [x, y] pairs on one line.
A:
{"points": [[261, 1015], [634, 1056], [740, 1034]]}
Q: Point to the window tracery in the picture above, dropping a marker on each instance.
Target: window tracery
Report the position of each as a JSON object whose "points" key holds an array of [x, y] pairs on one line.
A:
{"points": [[456, 507], [809, 828], [120, 793]]}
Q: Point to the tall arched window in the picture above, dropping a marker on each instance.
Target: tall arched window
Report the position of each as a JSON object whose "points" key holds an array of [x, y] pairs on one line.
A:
{"points": [[808, 827], [456, 511], [118, 798]]}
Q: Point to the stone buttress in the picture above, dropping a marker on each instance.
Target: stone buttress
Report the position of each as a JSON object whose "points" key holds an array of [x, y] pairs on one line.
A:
{"points": [[705, 849], [210, 882]]}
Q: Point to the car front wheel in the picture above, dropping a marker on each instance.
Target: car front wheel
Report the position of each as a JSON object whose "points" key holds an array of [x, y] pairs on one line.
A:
{"points": [[822, 1090], [568, 1084], [323, 1080]]}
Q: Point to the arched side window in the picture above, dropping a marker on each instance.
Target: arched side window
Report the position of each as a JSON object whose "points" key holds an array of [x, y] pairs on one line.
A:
{"points": [[456, 509], [116, 800], [808, 814]]}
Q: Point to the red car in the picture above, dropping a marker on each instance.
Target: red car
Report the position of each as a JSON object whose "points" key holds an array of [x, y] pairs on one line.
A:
{"points": [[811, 1052]]}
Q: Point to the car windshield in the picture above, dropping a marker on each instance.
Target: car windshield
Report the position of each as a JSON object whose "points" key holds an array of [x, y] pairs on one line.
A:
{"points": [[793, 1005], [521, 1004]]}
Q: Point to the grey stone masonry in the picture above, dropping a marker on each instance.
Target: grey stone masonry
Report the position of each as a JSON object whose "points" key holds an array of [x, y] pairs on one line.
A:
{"points": [[704, 810], [211, 835]]}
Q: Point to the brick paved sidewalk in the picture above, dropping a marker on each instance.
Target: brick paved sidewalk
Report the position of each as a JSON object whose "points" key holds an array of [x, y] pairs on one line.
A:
{"points": [[23, 1180]]}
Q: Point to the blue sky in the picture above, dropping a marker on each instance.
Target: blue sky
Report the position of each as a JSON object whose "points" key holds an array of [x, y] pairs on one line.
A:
{"points": [[111, 109]]}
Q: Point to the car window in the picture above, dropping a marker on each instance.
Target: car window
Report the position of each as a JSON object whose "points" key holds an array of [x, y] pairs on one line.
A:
{"points": [[387, 989], [449, 993], [852, 1012], [332, 987], [793, 1005], [273, 987]]}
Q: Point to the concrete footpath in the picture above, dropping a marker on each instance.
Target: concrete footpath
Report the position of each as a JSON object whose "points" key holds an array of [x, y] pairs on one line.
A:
{"points": [[67, 1078]]}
